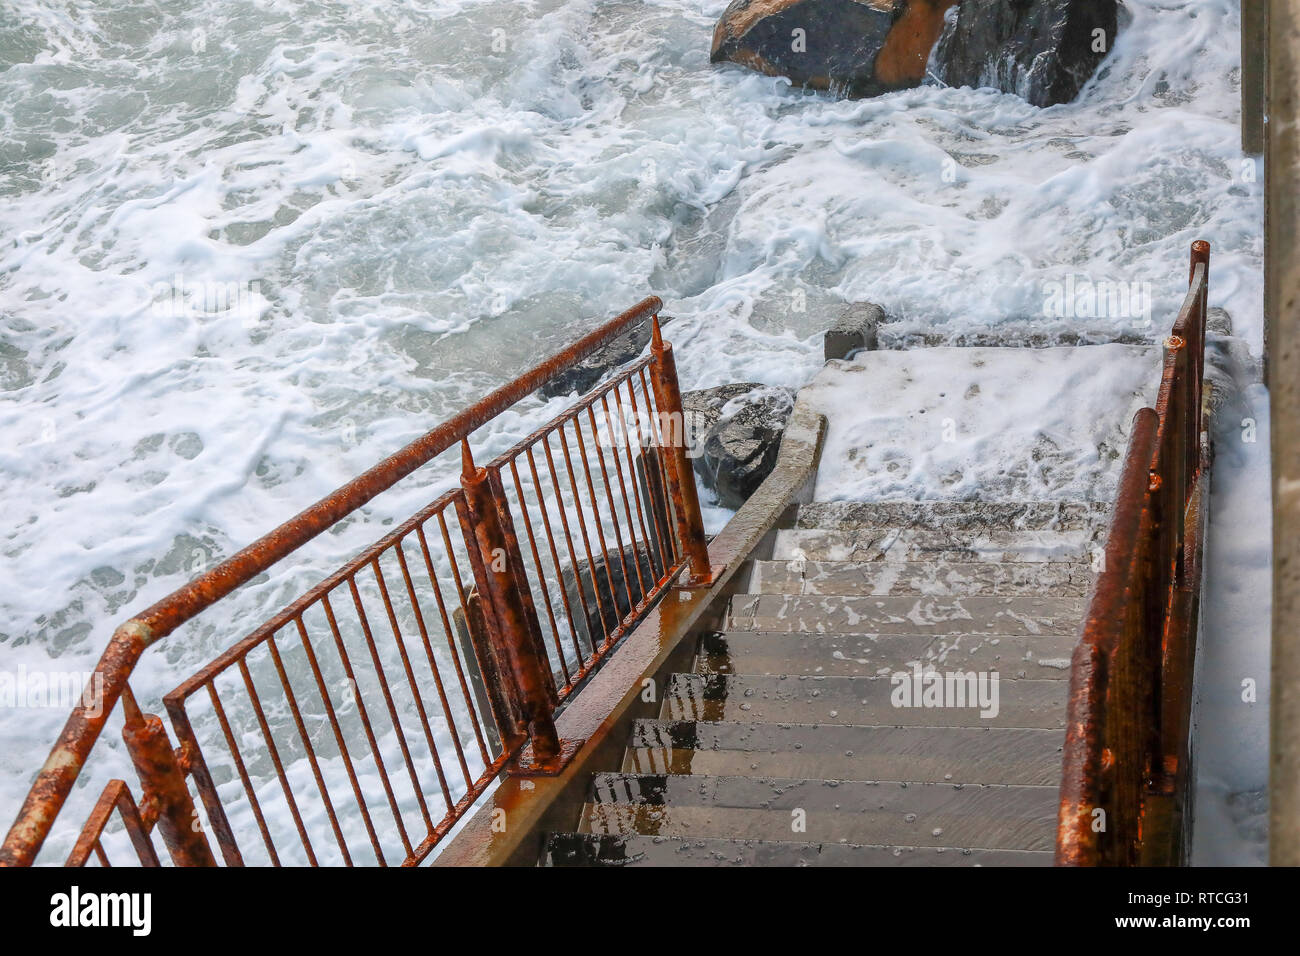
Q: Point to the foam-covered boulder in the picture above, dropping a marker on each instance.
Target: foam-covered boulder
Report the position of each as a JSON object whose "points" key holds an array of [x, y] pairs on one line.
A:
{"points": [[1041, 50], [851, 47]]}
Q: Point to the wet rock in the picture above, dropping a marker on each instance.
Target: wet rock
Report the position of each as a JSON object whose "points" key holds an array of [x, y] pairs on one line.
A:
{"points": [[1042, 50], [586, 374], [855, 329], [1218, 321], [601, 594], [853, 47], [1229, 364], [702, 409], [733, 434]]}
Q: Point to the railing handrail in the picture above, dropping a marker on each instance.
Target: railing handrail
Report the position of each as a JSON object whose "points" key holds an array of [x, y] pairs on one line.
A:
{"points": [[164, 616], [1116, 745], [1103, 629], [85, 723]]}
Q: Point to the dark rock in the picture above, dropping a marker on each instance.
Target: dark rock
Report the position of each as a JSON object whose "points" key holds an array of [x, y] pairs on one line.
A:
{"points": [[734, 434], [586, 374], [855, 329], [853, 47], [598, 591], [1218, 321], [702, 409], [1042, 50]]}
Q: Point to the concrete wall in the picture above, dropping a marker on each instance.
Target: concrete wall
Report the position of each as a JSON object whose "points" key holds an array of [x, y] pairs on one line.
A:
{"points": [[1282, 330]]}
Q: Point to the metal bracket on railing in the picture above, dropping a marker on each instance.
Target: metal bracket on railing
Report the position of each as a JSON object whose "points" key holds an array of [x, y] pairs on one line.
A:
{"points": [[115, 797], [163, 786], [513, 628]]}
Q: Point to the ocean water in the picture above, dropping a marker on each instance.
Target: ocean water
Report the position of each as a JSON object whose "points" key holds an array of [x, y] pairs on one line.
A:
{"points": [[248, 248]]}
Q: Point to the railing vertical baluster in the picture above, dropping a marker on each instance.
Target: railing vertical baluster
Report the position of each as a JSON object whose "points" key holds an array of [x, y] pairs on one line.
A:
{"points": [[655, 460], [555, 554], [580, 512], [681, 478], [651, 543]]}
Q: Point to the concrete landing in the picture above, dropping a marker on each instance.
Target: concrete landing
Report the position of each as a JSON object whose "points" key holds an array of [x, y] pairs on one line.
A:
{"points": [[1009, 424]]}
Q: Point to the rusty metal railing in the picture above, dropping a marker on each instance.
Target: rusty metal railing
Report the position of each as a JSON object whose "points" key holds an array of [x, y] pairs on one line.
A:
{"points": [[363, 720], [1126, 770]]}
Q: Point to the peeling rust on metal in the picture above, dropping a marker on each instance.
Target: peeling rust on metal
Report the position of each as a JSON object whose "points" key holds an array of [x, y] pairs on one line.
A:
{"points": [[1124, 780]]}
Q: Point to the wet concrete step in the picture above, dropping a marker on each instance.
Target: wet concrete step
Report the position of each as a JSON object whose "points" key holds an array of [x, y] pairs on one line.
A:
{"points": [[593, 849], [852, 578], [926, 754], [1046, 657], [955, 515], [912, 544], [924, 614], [862, 700], [823, 811]]}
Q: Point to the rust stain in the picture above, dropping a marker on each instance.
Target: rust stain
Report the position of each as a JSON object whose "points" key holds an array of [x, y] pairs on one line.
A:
{"points": [[901, 61]]}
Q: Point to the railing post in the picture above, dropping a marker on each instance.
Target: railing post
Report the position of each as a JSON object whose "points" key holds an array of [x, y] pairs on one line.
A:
{"points": [[512, 624], [681, 478], [163, 788], [1254, 68]]}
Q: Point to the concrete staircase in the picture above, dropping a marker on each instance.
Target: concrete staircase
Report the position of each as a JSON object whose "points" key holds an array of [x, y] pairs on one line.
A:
{"points": [[786, 745]]}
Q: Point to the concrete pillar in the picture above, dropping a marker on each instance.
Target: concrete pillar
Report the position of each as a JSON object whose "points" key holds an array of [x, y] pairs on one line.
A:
{"points": [[1282, 311], [1254, 45]]}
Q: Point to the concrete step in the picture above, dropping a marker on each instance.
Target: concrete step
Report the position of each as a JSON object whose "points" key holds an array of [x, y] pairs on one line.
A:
{"points": [[1046, 657], [973, 614], [973, 755], [860, 700], [911, 544], [851, 578], [942, 515], [861, 812], [593, 849]]}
